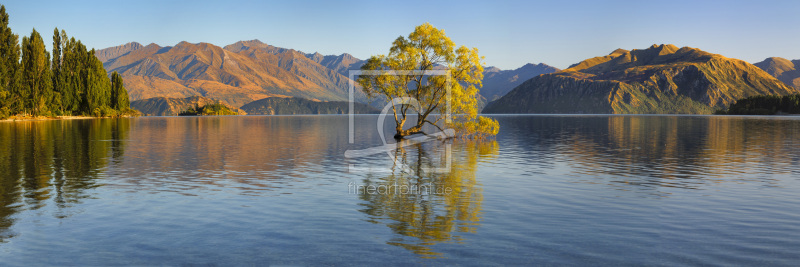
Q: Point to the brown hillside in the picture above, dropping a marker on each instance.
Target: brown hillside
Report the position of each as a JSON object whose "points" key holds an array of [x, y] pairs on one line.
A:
{"points": [[659, 79], [783, 69], [237, 74]]}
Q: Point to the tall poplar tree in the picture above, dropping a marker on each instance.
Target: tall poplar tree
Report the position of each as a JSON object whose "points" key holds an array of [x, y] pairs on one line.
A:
{"points": [[119, 96], [71, 67], [36, 74], [98, 86], [9, 67], [58, 77]]}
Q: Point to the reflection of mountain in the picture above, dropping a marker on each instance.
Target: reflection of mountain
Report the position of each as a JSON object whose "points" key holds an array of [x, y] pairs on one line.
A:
{"points": [[424, 218], [650, 153], [53, 160], [248, 153], [684, 144]]}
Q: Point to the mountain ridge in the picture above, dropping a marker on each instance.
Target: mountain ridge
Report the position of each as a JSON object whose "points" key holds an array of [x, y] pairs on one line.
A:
{"points": [[250, 70], [659, 79], [114, 52], [244, 72], [497, 82], [787, 71]]}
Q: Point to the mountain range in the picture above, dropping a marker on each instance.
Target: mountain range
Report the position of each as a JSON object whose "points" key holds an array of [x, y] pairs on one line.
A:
{"points": [[659, 79], [246, 71], [497, 82], [236, 74]]}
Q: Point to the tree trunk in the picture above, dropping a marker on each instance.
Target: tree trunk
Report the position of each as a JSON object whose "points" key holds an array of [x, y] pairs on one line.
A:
{"points": [[403, 133]]}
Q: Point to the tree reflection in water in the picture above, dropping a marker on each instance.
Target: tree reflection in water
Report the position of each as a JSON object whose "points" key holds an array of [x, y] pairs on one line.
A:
{"points": [[424, 207], [54, 163]]}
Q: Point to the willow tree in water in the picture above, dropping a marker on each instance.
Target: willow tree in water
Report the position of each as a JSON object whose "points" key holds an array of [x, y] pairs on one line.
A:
{"points": [[427, 68]]}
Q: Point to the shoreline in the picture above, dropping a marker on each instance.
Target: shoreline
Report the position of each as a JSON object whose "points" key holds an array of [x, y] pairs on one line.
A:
{"points": [[47, 118]]}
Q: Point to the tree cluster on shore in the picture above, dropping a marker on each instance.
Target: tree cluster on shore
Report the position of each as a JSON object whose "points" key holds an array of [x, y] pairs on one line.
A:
{"points": [[764, 105], [215, 109], [70, 80]]}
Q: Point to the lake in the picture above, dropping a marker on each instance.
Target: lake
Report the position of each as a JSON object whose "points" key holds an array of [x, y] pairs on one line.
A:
{"points": [[279, 190]]}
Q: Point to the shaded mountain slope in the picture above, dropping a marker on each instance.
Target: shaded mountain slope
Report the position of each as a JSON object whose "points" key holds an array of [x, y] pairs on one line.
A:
{"points": [[497, 83], [294, 105]]}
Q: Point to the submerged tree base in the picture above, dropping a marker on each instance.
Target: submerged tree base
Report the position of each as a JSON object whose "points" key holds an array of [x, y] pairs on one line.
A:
{"points": [[403, 133], [444, 134]]}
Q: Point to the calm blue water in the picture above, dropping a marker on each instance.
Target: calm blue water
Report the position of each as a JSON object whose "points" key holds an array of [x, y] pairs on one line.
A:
{"points": [[278, 190]]}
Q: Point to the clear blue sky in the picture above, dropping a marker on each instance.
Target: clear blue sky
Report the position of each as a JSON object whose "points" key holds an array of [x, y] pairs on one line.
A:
{"points": [[508, 33]]}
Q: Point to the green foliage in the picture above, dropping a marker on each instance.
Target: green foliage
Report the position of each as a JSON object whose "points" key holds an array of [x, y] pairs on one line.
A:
{"points": [[481, 128], [426, 49], [74, 82], [36, 75], [119, 96], [192, 111], [71, 75], [765, 105], [98, 86], [215, 109], [9, 67]]}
